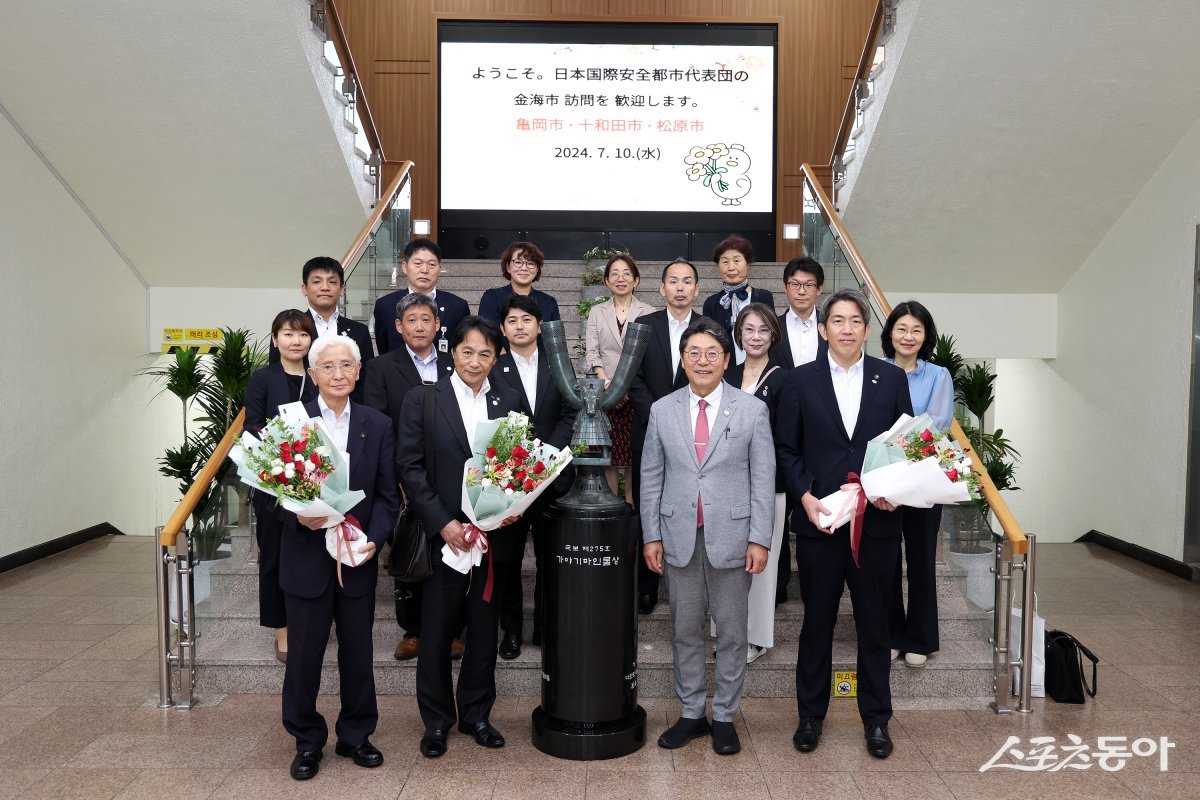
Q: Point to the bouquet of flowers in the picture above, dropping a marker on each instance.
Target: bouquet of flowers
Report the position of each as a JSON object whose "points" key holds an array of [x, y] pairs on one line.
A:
{"points": [[911, 464], [509, 470], [294, 459]]}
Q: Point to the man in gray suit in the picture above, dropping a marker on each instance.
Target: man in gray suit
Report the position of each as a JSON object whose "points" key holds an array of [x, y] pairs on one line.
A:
{"points": [[707, 506]]}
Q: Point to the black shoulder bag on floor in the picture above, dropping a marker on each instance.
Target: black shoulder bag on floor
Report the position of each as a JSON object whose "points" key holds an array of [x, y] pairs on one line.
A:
{"points": [[1064, 668], [410, 546]]}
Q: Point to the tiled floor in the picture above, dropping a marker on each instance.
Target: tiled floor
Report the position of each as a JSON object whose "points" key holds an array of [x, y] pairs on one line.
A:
{"points": [[78, 716]]}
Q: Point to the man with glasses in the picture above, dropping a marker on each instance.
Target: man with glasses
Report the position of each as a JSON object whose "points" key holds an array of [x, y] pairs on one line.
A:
{"points": [[314, 596], [708, 508], [658, 375], [802, 282]]}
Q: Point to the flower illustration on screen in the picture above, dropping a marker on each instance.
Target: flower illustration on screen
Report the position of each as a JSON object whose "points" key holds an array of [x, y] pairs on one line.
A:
{"points": [[722, 169]]}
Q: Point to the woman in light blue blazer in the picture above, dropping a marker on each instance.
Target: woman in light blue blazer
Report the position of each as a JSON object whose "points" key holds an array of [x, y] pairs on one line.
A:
{"points": [[909, 336]]}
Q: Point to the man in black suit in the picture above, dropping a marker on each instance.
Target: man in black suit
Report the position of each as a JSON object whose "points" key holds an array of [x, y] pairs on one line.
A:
{"points": [[803, 278], [525, 369], [802, 282], [835, 407], [308, 575], [459, 402], [388, 380], [422, 266], [733, 256], [323, 283], [660, 374]]}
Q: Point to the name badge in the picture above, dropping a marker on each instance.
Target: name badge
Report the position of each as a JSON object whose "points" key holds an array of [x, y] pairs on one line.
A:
{"points": [[443, 346]]}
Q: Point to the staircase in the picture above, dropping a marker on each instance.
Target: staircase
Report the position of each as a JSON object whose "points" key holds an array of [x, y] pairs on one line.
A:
{"points": [[236, 655]]}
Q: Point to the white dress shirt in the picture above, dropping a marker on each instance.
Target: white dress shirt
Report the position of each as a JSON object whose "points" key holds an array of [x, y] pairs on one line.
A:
{"points": [[527, 368], [710, 411], [847, 387], [427, 367], [324, 328], [337, 426], [676, 328], [802, 336], [473, 407]]}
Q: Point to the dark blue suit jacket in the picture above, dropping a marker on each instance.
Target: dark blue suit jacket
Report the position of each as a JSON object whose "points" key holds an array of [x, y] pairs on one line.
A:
{"points": [[305, 567], [813, 450], [267, 390], [785, 349], [452, 310], [714, 310], [489, 304]]}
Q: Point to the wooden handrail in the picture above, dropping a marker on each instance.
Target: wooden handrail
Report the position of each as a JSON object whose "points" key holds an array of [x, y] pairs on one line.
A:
{"points": [[188, 504], [209, 471], [865, 60], [1004, 516], [382, 207], [338, 35]]}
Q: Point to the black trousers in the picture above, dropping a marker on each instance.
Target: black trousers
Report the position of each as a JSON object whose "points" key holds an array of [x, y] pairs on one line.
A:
{"points": [[509, 595], [448, 596], [825, 567], [272, 609], [408, 607], [916, 630], [308, 634], [784, 573], [647, 580]]}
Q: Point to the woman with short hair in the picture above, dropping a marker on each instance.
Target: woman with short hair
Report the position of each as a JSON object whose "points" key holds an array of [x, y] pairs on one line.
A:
{"points": [[521, 264]]}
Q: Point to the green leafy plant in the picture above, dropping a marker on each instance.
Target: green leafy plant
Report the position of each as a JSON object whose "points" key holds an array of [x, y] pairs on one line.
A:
{"points": [[216, 383], [599, 253], [944, 355], [585, 307], [974, 387], [593, 276]]}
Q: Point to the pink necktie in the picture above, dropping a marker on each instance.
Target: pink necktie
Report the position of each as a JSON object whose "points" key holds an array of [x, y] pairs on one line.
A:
{"points": [[701, 446]]}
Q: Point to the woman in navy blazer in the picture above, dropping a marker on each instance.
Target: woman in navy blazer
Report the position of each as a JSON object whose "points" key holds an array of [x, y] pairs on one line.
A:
{"points": [[274, 385], [733, 256], [521, 263]]}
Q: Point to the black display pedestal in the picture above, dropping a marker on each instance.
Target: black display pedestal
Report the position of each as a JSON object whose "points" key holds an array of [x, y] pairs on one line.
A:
{"points": [[589, 705]]}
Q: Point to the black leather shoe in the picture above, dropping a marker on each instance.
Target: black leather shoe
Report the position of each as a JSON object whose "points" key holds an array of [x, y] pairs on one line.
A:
{"points": [[879, 744], [807, 735], [510, 646], [433, 743], [725, 739], [306, 764], [485, 735], [682, 732], [365, 754], [646, 603]]}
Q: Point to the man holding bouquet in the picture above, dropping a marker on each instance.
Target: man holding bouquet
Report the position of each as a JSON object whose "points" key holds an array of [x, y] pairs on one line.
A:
{"points": [[319, 594], [835, 406]]}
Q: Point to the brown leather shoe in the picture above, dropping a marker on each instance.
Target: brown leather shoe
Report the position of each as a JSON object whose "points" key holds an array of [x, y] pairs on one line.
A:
{"points": [[456, 649], [408, 648]]}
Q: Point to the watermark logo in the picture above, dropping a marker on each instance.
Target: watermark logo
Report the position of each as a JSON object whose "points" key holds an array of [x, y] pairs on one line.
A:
{"points": [[1047, 754]]}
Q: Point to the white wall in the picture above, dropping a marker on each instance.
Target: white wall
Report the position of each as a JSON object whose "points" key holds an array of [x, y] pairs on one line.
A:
{"points": [[204, 307], [991, 326], [77, 436], [1104, 427]]}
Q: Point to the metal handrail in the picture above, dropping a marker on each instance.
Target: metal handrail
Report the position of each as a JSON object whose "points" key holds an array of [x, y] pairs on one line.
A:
{"points": [[1012, 530], [342, 45], [386, 201], [864, 67]]}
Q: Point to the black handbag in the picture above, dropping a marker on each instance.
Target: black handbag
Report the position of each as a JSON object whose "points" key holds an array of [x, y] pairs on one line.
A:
{"points": [[1064, 668], [409, 560]]}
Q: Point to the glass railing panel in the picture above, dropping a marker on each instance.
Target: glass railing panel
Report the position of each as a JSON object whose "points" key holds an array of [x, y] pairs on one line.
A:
{"points": [[376, 270], [221, 535]]}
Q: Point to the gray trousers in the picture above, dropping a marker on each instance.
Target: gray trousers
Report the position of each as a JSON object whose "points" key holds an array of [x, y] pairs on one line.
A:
{"points": [[694, 590]]}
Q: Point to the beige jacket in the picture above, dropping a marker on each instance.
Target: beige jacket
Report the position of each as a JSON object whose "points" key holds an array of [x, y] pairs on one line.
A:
{"points": [[604, 343]]}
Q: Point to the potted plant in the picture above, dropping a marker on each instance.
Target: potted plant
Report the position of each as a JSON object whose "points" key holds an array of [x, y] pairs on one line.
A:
{"points": [[592, 277]]}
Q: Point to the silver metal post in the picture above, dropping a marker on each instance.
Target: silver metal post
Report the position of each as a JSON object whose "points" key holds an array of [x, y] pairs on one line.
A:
{"points": [[185, 593], [162, 582], [1028, 612], [1001, 660]]}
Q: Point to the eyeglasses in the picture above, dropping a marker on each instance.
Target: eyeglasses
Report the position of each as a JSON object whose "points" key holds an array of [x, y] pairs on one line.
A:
{"points": [[345, 368], [694, 355], [803, 287], [521, 262]]}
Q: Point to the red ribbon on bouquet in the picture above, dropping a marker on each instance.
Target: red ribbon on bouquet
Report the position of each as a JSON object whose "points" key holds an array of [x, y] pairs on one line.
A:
{"points": [[857, 500], [477, 538], [346, 531]]}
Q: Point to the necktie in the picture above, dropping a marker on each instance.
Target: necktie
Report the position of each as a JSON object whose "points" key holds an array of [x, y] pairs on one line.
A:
{"points": [[701, 446]]}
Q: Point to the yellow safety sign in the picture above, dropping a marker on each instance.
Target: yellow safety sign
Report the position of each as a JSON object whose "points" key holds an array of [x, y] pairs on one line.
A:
{"points": [[845, 683]]}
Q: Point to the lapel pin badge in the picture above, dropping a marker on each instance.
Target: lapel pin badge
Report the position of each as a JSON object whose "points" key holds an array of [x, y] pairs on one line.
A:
{"points": [[727, 412], [362, 436], [495, 402], [506, 369]]}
